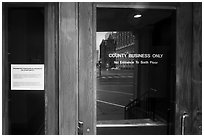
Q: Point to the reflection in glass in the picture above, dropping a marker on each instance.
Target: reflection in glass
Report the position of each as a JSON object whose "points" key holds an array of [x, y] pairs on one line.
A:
{"points": [[115, 74], [136, 66]]}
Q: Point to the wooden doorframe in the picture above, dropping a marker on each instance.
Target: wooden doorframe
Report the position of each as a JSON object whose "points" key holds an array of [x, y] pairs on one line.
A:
{"points": [[183, 66], [189, 68], [197, 70], [68, 68], [52, 68], [5, 71], [87, 69], [50, 62], [76, 68]]}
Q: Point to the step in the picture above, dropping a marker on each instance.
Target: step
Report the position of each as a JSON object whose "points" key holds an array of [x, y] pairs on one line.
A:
{"points": [[131, 127]]}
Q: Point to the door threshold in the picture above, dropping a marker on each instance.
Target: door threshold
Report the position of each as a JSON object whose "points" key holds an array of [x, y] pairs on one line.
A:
{"points": [[129, 123]]}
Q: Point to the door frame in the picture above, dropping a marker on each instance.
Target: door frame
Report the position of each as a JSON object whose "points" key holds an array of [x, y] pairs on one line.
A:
{"points": [[68, 68], [77, 81]]}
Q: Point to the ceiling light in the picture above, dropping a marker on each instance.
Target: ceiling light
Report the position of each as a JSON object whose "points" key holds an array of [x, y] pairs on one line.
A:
{"points": [[137, 15]]}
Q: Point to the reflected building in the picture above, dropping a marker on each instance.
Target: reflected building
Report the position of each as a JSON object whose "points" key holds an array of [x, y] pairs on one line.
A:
{"points": [[125, 44], [107, 46], [122, 42]]}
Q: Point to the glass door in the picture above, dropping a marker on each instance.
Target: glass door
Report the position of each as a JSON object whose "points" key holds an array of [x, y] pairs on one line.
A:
{"points": [[135, 70], [26, 69], [30, 91]]}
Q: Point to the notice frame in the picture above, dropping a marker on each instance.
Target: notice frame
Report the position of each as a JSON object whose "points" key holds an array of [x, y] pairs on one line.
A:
{"points": [[27, 76]]}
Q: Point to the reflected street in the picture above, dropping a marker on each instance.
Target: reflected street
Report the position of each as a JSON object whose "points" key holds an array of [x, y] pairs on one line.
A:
{"points": [[114, 92]]}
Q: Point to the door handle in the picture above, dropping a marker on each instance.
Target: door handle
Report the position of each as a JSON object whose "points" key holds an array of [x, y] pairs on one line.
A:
{"points": [[80, 127], [183, 123]]}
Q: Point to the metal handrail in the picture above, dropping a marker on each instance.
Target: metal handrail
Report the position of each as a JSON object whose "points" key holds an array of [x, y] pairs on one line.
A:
{"points": [[141, 97], [136, 101]]}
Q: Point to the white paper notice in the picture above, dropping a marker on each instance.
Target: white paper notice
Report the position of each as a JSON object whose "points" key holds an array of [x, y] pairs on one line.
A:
{"points": [[27, 77]]}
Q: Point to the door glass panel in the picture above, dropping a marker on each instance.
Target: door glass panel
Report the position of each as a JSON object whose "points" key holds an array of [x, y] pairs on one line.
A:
{"points": [[135, 70], [25, 47]]}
